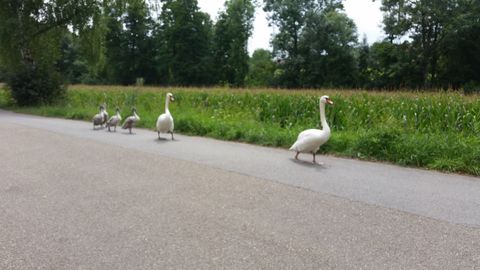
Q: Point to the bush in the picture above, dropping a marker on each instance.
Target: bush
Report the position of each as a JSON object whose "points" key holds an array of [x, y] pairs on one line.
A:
{"points": [[38, 85], [471, 87]]}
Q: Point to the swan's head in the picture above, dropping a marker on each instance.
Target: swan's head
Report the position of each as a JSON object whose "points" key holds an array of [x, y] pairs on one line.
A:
{"points": [[101, 108], [326, 100], [117, 110], [170, 97], [134, 109]]}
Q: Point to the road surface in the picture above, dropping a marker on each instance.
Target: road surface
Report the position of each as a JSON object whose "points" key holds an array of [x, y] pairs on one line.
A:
{"points": [[75, 198]]}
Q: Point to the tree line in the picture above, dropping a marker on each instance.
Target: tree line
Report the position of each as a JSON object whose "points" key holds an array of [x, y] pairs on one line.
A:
{"points": [[45, 44]]}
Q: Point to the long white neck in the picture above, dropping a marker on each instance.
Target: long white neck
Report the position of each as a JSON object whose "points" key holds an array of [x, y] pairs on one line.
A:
{"points": [[136, 115], [167, 101], [323, 120]]}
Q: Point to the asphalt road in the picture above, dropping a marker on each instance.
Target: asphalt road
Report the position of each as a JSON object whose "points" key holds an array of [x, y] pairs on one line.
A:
{"points": [[74, 198]]}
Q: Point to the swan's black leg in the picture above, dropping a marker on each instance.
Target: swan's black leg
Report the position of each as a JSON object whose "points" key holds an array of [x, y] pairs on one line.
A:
{"points": [[314, 158], [171, 132], [296, 156], [158, 134]]}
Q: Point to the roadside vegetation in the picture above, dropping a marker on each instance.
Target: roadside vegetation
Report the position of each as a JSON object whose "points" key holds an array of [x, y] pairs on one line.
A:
{"points": [[430, 130]]}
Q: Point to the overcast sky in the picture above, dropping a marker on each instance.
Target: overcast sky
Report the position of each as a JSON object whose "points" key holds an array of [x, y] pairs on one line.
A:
{"points": [[365, 13]]}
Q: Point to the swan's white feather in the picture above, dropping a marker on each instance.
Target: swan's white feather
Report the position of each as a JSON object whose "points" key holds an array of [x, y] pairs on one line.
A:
{"points": [[165, 123], [310, 140]]}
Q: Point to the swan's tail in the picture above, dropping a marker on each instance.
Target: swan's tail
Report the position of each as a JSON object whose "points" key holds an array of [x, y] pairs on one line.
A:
{"points": [[294, 147]]}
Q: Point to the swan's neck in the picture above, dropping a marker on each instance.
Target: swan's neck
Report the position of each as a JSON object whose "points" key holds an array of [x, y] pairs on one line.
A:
{"points": [[136, 115], [323, 120], [167, 101]]}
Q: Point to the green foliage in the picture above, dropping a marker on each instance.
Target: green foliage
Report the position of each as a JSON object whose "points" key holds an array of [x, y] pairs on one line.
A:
{"points": [[31, 33], [261, 69], [232, 31], [439, 131], [327, 46], [184, 37], [40, 85], [443, 41], [129, 44]]}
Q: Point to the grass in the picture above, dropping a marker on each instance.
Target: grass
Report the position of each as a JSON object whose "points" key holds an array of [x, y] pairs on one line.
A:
{"points": [[432, 130]]}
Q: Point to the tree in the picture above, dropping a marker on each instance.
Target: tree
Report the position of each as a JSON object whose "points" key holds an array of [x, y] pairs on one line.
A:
{"points": [[363, 63], [290, 17], [261, 69], [327, 44], [425, 22], [129, 44], [232, 31], [460, 48], [30, 36], [185, 37]]}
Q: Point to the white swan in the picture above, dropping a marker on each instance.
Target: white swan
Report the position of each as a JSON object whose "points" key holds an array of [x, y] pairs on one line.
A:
{"points": [[310, 140], [165, 120], [131, 121], [114, 120], [98, 119]]}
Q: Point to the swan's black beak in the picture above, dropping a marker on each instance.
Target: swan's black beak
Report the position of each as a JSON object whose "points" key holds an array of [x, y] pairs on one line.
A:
{"points": [[329, 101]]}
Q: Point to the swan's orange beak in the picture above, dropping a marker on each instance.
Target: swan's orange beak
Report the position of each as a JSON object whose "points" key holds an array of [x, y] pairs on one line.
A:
{"points": [[329, 101]]}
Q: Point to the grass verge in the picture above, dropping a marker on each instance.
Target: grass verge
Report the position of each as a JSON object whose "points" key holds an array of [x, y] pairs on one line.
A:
{"points": [[431, 130]]}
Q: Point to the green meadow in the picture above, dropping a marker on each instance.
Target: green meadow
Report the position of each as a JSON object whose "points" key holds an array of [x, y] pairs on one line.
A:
{"points": [[431, 130]]}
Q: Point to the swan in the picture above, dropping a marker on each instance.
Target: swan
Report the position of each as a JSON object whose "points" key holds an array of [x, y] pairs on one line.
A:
{"points": [[98, 119], [114, 120], [105, 114], [310, 140], [165, 120], [131, 121]]}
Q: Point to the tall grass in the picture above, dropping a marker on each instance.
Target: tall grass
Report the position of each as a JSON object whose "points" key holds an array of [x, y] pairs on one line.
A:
{"points": [[439, 131]]}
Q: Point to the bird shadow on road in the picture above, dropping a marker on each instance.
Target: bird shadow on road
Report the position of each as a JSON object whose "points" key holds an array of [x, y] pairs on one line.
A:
{"points": [[309, 164], [164, 140]]}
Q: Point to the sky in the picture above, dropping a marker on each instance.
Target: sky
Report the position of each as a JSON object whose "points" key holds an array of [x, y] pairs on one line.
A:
{"points": [[365, 13]]}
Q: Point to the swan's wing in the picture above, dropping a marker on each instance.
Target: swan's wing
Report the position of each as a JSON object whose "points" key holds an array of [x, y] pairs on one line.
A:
{"points": [[97, 119], [129, 122], [113, 120], [309, 140], [307, 133], [164, 123]]}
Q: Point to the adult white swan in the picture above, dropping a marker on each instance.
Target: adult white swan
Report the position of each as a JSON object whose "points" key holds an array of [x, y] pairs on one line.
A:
{"points": [[310, 140], [165, 120], [131, 121]]}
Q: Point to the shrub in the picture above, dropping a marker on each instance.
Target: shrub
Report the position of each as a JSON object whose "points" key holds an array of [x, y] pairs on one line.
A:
{"points": [[471, 87], [37, 85]]}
